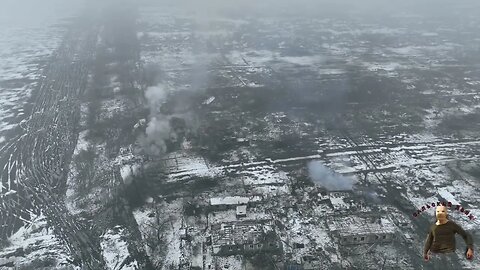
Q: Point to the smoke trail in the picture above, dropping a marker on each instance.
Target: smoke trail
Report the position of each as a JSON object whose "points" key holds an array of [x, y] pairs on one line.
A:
{"points": [[324, 176]]}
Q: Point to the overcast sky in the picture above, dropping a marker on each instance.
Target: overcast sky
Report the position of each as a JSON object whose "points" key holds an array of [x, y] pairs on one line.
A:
{"points": [[300, 7], [36, 12]]}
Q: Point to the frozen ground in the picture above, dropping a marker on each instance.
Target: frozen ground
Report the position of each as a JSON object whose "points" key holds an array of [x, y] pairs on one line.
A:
{"points": [[115, 250], [391, 106], [35, 244], [23, 52], [407, 160], [29, 36]]}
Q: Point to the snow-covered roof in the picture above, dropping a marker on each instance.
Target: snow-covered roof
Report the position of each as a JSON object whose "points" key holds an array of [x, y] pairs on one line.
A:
{"points": [[233, 200], [241, 209], [230, 200], [337, 200], [338, 203], [354, 225], [445, 194], [10, 192]]}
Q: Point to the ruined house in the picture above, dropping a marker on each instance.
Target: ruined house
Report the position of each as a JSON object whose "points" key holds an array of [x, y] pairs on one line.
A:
{"points": [[243, 237]]}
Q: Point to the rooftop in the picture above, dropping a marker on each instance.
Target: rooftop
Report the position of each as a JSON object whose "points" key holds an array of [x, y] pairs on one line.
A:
{"points": [[237, 233], [233, 200], [353, 225], [241, 210]]}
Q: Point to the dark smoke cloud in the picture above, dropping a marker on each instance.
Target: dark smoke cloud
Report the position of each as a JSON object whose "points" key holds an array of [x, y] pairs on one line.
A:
{"points": [[325, 177]]}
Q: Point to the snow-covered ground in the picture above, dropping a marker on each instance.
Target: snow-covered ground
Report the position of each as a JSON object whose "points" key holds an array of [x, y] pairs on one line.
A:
{"points": [[171, 217], [264, 175], [415, 165], [28, 40], [35, 244], [70, 200], [113, 107], [180, 165], [115, 250], [20, 51], [229, 263]]}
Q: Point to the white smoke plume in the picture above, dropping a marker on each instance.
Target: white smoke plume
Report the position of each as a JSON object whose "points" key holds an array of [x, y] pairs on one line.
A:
{"points": [[325, 177], [157, 132], [158, 129], [372, 196], [155, 96]]}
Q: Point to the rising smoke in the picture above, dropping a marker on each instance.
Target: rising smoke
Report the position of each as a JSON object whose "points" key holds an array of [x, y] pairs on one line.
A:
{"points": [[181, 101], [369, 194], [325, 177], [158, 129], [156, 95]]}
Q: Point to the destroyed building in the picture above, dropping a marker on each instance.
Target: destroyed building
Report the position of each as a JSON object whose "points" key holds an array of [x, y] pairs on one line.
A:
{"points": [[357, 230], [341, 201], [244, 238], [231, 202]]}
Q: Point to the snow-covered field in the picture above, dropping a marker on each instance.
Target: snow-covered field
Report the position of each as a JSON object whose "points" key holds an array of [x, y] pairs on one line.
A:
{"points": [[148, 224], [34, 244], [21, 50], [29, 36], [115, 250], [179, 165]]}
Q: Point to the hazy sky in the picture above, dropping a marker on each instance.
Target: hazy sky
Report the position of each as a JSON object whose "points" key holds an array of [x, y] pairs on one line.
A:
{"points": [[21, 12], [36, 12], [312, 7]]}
